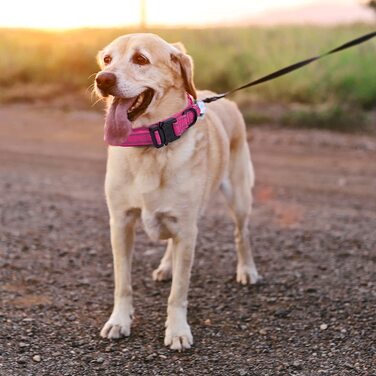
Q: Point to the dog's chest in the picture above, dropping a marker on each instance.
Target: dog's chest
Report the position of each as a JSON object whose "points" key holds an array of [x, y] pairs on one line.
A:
{"points": [[147, 180], [162, 202]]}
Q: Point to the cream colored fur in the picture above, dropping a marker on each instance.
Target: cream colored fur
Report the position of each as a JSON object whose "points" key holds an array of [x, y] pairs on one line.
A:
{"points": [[168, 188]]}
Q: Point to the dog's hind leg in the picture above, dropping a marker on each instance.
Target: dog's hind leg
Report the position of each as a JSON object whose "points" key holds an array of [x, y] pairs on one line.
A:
{"points": [[164, 270], [237, 189]]}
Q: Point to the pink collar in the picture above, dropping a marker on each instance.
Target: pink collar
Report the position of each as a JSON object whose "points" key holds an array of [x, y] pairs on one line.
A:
{"points": [[168, 130]]}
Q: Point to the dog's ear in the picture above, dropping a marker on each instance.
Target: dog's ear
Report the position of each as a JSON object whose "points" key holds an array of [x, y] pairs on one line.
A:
{"points": [[180, 46], [185, 62]]}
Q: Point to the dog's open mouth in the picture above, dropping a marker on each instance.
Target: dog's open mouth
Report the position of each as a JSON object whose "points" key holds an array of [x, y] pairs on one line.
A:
{"points": [[121, 113], [140, 105]]}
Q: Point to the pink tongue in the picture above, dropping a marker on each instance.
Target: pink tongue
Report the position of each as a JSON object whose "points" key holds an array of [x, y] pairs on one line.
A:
{"points": [[117, 126]]}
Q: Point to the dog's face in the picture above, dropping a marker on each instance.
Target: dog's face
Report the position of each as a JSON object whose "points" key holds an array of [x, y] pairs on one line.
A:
{"points": [[137, 70]]}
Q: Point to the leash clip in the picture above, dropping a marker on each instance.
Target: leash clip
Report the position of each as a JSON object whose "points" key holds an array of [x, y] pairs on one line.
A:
{"points": [[202, 107]]}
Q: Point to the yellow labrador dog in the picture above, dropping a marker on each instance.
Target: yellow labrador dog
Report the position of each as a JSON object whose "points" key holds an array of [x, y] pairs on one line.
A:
{"points": [[147, 80]]}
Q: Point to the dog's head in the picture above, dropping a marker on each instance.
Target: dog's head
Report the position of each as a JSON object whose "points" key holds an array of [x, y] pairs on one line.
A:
{"points": [[137, 71]]}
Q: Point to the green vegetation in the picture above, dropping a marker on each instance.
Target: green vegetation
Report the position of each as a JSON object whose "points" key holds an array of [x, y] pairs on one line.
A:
{"points": [[224, 58], [334, 118]]}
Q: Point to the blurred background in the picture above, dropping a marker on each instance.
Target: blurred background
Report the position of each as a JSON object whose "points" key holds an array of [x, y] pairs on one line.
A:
{"points": [[49, 49], [313, 141]]}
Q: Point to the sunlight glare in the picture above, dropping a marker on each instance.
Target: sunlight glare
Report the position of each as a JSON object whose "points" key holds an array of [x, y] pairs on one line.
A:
{"points": [[115, 13]]}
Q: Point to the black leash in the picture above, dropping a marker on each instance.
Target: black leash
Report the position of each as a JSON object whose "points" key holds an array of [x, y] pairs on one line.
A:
{"points": [[291, 68]]}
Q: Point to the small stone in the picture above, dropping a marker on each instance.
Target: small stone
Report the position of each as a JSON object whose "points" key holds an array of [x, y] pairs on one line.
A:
{"points": [[262, 331], [341, 182], [37, 358], [22, 360], [348, 365], [23, 344], [162, 356], [207, 322], [323, 326], [100, 360], [151, 357], [311, 289], [84, 282], [282, 313], [297, 365], [71, 318], [243, 372]]}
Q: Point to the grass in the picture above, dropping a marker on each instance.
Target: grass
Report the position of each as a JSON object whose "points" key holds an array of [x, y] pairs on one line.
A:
{"points": [[334, 118], [224, 58]]}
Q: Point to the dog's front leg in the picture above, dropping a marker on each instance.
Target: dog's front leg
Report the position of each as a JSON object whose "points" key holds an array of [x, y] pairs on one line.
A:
{"points": [[122, 239], [178, 333]]}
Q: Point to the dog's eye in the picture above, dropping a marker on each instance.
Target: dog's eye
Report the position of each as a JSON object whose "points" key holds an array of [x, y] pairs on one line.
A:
{"points": [[107, 59], [140, 59]]}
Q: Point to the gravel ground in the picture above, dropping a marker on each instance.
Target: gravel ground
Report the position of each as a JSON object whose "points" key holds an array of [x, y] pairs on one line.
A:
{"points": [[313, 234]]}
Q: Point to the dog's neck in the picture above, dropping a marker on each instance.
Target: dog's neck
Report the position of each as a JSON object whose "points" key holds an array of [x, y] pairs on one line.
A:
{"points": [[172, 102]]}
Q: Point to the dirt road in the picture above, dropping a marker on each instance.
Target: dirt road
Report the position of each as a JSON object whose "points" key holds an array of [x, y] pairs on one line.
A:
{"points": [[313, 234]]}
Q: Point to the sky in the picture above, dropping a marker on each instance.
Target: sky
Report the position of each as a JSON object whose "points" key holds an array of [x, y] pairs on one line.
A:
{"points": [[57, 14]]}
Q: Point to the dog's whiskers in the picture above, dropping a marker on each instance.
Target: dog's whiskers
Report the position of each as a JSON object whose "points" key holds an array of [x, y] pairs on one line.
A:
{"points": [[94, 74], [97, 101], [90, 89]]}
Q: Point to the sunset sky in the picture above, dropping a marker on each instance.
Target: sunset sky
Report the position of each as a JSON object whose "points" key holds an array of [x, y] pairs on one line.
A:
{"points": [[99, 13]]}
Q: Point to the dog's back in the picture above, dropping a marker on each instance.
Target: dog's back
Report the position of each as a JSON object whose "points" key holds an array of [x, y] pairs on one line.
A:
{"points": [[230, 116], [233, 123]]}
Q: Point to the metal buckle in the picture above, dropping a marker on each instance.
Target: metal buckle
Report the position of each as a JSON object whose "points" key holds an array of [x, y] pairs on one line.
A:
{"points": [[165, 131], [202, 108]]}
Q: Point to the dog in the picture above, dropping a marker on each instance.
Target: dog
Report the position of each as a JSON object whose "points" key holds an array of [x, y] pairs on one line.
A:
{"points": [[144, 80]]}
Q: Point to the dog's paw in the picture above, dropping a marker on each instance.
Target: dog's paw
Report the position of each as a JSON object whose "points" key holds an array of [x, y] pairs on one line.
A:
{"points": [[178, 338], [116, 327], [247, 275], [162, 273]]}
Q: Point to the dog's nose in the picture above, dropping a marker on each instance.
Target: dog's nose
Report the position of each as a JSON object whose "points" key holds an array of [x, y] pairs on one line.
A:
{"points": [[105, 80]]}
